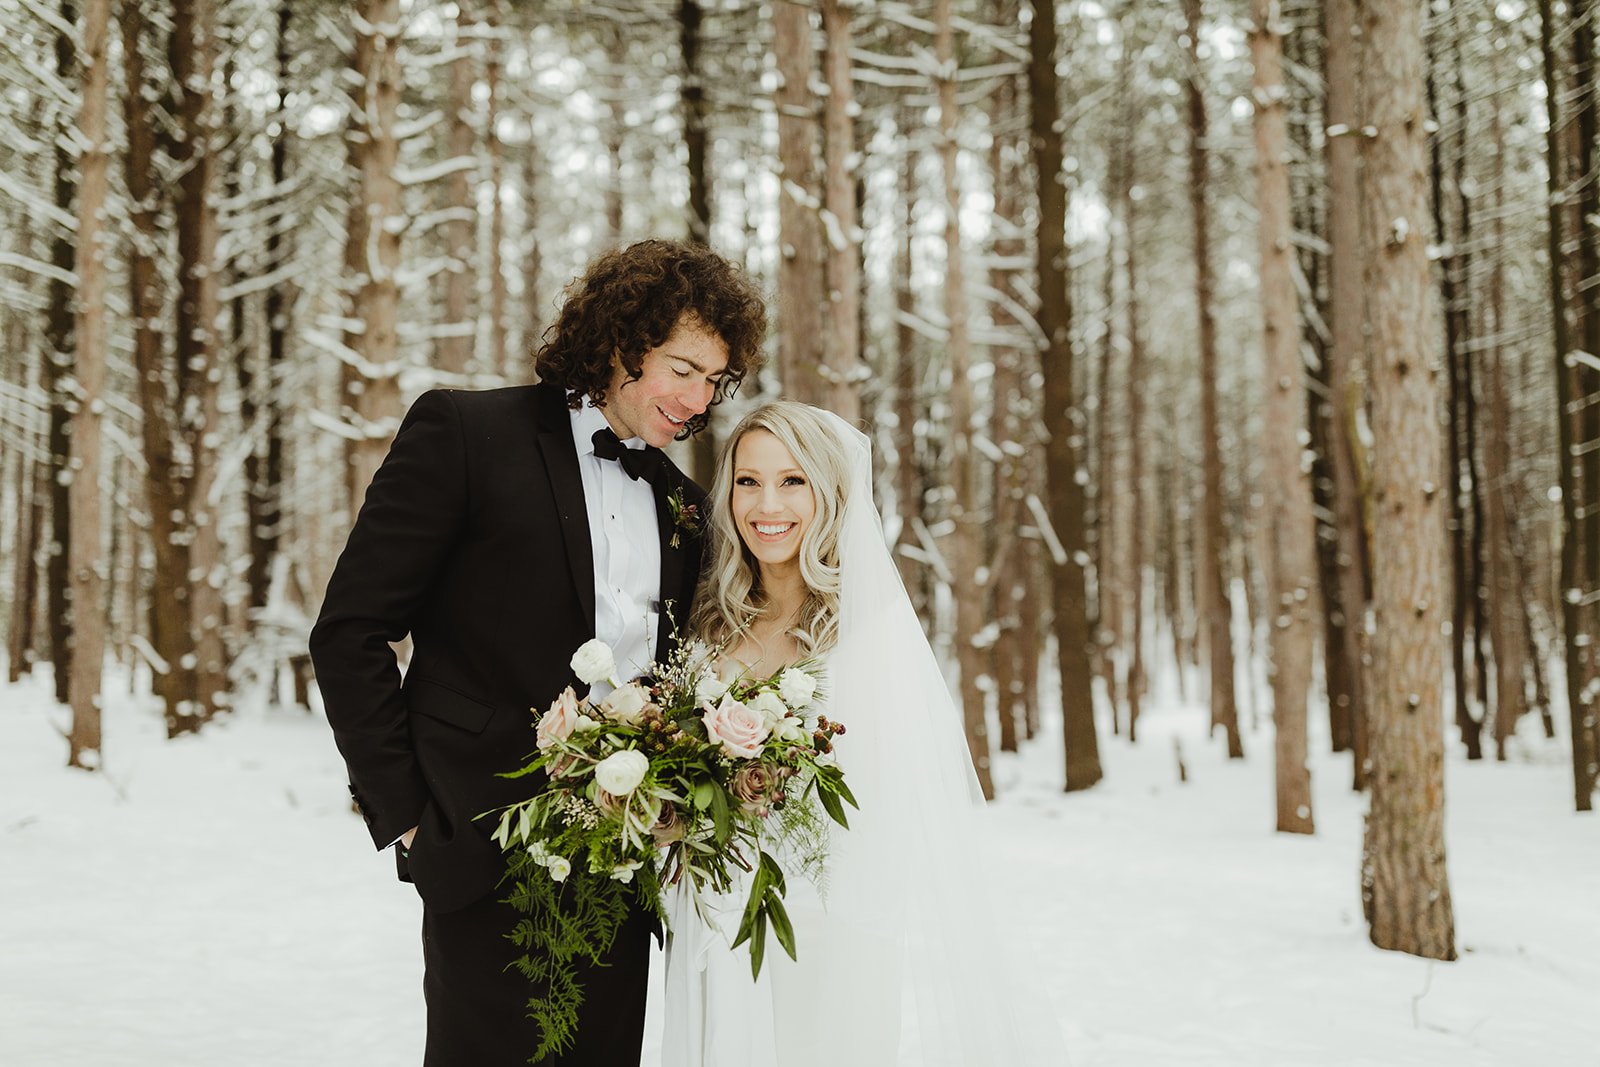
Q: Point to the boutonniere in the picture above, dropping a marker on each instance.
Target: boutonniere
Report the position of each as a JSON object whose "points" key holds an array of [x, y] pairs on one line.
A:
{"points": [[685, 517]]}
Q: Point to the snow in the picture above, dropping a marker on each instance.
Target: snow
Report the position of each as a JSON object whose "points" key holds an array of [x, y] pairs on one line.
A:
{"points": [[214, 901]]}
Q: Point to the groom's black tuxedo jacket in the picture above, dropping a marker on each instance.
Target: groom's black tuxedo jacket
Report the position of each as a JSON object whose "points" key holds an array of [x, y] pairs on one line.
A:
{"points": [[474, 539]]}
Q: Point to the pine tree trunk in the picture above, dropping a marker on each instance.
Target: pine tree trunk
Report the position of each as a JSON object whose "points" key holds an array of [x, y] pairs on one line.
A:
{"points": [[1406, 891], [908, 488], [966, 590], [1346, 358], [498, 345], [59, 346], [196, 345], [616, 128], [166, 481], [1137, 385], [377, 303], [88, 564], [1211, 553], [802, 324], [842, 354], [266, 497], [30, 494], [454, 349], [1577, 565], [1289, 529], [1107, 545], [703, 446], [1069, 596]]}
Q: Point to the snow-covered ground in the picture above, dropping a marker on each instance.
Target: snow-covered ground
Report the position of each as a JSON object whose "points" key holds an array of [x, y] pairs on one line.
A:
{"points": [[213, 901]]}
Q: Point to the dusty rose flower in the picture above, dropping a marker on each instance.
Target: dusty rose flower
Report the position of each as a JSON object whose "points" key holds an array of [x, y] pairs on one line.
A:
{"points": [[740, 730], [558, 723], [609, 804], [670, 827], [753, 785]]}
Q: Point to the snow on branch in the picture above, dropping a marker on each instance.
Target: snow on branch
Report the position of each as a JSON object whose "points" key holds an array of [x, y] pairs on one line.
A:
{"points": [[434, 171], [930, 549], [39, 266], [36, 205], [1058, 551], [921, 325]]}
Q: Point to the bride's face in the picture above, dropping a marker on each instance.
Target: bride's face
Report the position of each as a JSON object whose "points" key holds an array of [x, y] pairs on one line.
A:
{"points": [[773, 504]]}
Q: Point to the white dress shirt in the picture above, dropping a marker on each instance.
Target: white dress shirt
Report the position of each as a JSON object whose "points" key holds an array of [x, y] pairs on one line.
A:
{"points": [[625, 534]]}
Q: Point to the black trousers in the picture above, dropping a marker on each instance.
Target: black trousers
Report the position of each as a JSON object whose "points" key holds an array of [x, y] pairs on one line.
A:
{"points": [[476, 999]]}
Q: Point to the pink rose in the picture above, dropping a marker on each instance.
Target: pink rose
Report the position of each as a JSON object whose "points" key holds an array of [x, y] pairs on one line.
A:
{"points": [[610, 806], [558, 723], [669, 827], [739, 729], [754, 785]]}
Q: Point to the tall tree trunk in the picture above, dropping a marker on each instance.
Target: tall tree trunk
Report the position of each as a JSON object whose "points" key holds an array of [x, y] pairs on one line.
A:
{"points": [[197, 348], [160, 399], [454, 347], [1346, 315], [1065, 516], [1578, 565], [378, 256], [58, 370], [498, 348], [266, 494], [841, 359], [532, 257], [801, 315], [1136, 387], [908, 479], [1211, 554], [30, 493], [87, 560], [703, 446], [616, 129], [1006, 575], [1507, 621], [1405, 889], [1289, 527], [1107, 546], [966, 590]]}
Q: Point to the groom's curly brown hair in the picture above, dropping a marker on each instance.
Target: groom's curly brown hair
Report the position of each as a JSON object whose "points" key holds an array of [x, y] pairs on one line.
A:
{"points": [[627, 303]]}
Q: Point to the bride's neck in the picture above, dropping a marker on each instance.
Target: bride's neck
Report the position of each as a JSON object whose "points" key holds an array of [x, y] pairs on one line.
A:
{"points": [[784, 591]]}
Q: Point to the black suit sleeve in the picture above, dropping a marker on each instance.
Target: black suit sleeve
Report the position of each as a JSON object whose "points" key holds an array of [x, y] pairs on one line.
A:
{"points": [[412, 515]]}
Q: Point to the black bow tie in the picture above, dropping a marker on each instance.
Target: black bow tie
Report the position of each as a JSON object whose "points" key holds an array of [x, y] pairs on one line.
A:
{"points": [[636, 462]]}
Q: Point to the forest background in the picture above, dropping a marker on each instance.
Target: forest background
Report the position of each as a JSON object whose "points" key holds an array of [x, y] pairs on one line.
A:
{"points": [[1159, 315]]}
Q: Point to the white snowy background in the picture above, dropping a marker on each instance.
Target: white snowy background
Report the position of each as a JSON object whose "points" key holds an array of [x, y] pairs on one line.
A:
{"points": [[214, 901]]}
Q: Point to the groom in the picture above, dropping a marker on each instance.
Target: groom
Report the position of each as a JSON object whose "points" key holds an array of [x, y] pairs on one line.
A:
{"points": [[504, 529]]}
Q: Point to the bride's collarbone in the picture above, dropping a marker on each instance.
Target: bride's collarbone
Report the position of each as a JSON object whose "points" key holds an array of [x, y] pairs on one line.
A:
{"points": [[762, 656]]}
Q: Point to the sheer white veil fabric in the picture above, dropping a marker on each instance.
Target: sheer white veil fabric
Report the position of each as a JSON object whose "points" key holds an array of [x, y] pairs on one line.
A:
{"points": [[907, 908]]}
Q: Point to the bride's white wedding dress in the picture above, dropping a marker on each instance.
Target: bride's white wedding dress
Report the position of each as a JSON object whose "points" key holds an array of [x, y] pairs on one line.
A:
{"points": [[898, 962]]}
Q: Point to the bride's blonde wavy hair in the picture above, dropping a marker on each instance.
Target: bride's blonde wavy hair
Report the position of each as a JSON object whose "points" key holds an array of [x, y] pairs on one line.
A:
{"points": [[730, 598]]}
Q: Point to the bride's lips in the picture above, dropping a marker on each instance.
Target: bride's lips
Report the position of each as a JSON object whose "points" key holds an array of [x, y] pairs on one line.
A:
{"points": [[778, 530]]}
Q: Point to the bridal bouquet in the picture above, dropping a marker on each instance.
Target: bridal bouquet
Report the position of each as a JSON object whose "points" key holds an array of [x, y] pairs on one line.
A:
{"points": [[683, 778]]}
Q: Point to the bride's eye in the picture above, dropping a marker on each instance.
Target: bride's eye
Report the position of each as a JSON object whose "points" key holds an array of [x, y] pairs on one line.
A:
{"points": [[744, 479], [794, 479]]}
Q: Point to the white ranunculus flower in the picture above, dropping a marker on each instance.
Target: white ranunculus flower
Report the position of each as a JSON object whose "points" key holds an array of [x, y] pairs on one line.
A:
{"points": [[767, 703], [796, 687], [594, 661], [709, 689], [559, 867], [621, 772], [624, 704]]}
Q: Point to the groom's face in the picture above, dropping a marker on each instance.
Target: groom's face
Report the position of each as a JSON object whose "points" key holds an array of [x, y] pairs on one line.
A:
{"points": [[676, 382]]}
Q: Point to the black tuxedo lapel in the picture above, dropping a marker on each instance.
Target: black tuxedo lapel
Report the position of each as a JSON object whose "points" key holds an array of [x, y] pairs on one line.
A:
{"points": [[674, 597], [561, 464]]}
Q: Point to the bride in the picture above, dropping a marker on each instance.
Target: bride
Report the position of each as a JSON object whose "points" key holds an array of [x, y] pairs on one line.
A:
{"points": [[897, 962]]}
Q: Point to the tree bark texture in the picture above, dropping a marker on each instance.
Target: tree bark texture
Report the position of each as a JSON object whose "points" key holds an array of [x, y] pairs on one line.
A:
{"points": [[454, 348], [965, 589], [841, 357], [88, 564], [57, 373], [1346, 359], [1065, 512], [1288, 527], [377, 305], [196, 344], [1212, 551], [1406, 891], [802, 315]]}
